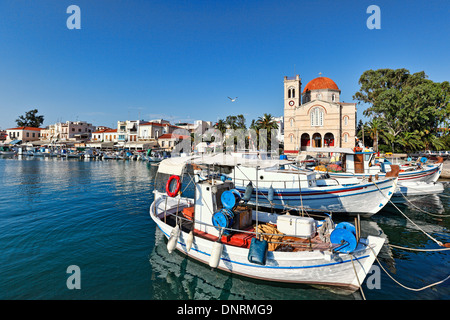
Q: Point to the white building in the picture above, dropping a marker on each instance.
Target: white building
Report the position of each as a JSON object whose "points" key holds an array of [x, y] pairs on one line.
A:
{"points": [[26, 134]]}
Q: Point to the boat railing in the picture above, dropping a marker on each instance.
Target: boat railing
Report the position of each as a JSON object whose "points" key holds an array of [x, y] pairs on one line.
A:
{"points": [[294, 184]]}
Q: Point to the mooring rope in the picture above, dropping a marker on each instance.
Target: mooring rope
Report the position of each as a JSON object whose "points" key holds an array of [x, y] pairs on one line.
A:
{"points": [[429, 236], [403, 286], [356, 274], [431, 214]]}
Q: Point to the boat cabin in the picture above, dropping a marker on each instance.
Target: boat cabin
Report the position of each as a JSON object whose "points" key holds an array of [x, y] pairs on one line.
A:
{"points": [[361, 162]]}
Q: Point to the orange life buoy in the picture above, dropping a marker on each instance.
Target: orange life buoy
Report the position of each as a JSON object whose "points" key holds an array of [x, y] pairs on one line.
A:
{"points": [[177, 187]]}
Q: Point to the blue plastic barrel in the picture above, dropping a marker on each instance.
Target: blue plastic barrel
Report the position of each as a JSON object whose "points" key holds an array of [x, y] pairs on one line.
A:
{"points": [[345, 235]]}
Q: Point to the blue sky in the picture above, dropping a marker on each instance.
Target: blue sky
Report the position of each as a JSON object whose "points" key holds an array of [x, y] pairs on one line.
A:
{"points": [[180, 60]]}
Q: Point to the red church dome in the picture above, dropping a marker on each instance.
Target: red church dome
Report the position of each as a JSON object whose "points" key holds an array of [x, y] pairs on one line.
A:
{"points": [[320, 83]]}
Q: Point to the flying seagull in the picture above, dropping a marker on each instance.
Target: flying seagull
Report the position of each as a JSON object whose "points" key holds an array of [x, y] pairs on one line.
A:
{"points": [[232, 100]]}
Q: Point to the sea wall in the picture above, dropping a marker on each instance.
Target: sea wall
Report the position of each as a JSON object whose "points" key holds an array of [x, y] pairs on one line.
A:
{"points": [[445, 174]]}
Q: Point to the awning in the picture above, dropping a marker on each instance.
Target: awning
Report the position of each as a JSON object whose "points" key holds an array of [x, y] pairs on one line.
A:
{"points": [[331, 149], [15, 142], [177, 165], [108, 144]]}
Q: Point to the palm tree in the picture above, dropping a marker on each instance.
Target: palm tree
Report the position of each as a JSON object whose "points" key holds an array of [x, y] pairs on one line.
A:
{"points": [[221, 126], [373, 128], [266, 122]]}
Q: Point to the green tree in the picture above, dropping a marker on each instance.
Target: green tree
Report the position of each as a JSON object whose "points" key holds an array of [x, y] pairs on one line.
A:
{"points": [[374, 129], [266, 122], [30, 119], [221, 126], [408, 106]]}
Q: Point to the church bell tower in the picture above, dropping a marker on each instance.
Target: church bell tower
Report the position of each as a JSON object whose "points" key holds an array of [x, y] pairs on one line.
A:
{"points": [[292, 101]]}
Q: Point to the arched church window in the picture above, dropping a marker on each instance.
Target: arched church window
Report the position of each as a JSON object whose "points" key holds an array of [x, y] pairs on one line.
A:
{"points": [[316, 117], [333, 97]]}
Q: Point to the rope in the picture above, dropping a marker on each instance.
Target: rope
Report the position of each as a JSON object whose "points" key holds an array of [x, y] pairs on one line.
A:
{"points": [[356, 274], [421, 250], [429, 236], [408, 288]]}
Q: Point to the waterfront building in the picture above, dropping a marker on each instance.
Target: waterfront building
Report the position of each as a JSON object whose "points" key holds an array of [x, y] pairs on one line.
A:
{"points": [[316, 117], [26, 134], [74, 131], [104, 135], [169, 140], [152, 130], [3, 135], [199, 126]]}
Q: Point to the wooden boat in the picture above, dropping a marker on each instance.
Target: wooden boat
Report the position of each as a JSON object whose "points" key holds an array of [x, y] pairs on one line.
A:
{"points": [[281, 186], [413, 178], [239, 240], [362, 164], [287, 188]]}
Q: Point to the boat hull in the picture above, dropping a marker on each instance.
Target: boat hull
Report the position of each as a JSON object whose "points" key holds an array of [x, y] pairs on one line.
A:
{"points": [[429, 174], [344, 199]]}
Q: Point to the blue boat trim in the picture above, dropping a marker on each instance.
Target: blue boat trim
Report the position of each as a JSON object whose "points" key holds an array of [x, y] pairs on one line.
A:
{"points": [[309, 197]]}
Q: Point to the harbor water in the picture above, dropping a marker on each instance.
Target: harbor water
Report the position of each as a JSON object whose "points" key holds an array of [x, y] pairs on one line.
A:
{"points": [[57, 213]]}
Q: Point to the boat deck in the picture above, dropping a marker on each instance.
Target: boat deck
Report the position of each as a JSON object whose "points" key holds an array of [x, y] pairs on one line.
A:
{"points": [[242, 239]]}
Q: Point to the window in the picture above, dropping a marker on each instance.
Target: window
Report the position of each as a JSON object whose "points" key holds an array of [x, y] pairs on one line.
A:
{"points": [[292, 122], [345, 120], [345, 137], [292, 138], [333, 97], [317, 117], [291, 92], [28, 134]]}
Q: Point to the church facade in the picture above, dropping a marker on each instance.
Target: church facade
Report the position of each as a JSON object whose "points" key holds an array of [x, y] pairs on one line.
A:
{"points": [[315, 117]]}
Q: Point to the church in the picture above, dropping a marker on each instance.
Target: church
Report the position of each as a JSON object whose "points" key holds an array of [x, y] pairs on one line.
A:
{"points": [[315, 117]]}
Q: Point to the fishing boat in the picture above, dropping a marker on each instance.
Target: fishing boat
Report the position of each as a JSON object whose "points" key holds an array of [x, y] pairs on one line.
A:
{"points": [[414, 178], [7, 151], [281, 185], [362, 164], [220, 230], [282, 188]]}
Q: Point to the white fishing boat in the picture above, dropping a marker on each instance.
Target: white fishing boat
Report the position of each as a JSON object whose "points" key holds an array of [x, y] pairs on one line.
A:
{"points": [[418, 188], [280, 185], [108, 156], [413, 179], [362, 164], [7, 151], [217, 229]]}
